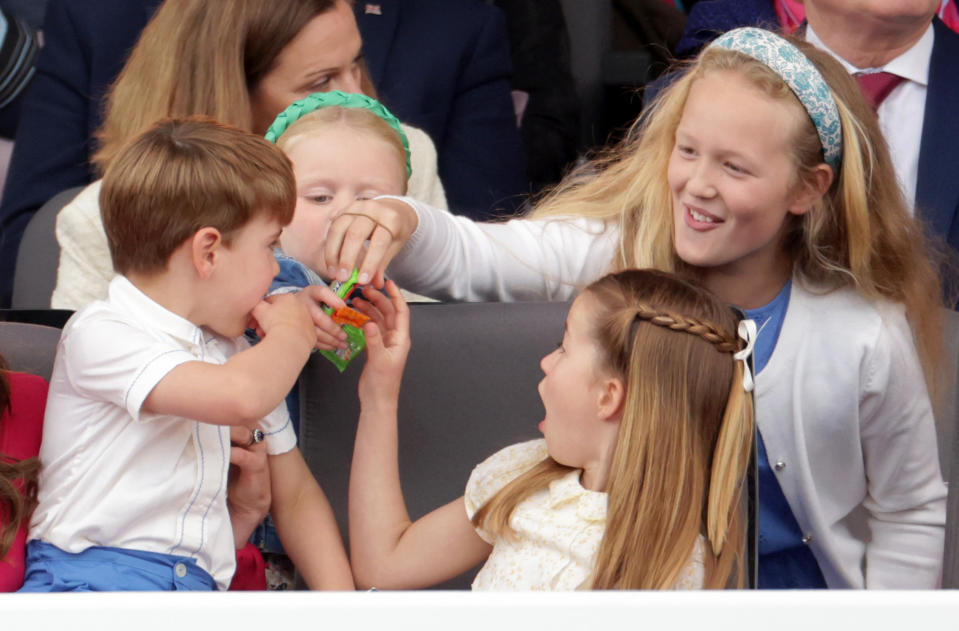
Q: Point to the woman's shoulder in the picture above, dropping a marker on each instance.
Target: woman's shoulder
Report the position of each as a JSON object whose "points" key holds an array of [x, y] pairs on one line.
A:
{"points": [[84, 206], [494, 473]]}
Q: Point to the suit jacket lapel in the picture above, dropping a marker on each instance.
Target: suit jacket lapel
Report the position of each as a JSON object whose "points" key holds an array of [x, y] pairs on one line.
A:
{"points": [[937, 190], [377, 31]]}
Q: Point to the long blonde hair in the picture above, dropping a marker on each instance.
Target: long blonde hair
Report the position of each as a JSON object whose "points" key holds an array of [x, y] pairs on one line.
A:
{"points": [[859, 234], [199, 57], [678, 467]]}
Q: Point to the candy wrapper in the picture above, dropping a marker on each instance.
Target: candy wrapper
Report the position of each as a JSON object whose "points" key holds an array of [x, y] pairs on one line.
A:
{"points": [[351, 322]]}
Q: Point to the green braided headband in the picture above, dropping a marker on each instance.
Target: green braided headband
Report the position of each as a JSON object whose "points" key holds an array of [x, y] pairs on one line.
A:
{"points": [[318, 100]]}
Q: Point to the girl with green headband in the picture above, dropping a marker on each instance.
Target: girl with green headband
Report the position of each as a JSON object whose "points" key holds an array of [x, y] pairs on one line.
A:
{"points": [[344, 147], [762, 174]]}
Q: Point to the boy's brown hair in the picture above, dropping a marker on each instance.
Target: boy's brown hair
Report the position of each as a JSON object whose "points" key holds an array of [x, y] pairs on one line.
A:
{"points": [[184, 174]]}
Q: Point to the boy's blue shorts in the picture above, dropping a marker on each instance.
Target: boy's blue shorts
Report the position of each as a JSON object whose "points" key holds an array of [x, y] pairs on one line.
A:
{"points": [[102, 569]]}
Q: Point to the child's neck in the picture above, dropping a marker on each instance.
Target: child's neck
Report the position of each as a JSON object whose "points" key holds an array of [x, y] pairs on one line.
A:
{"points": [[748, 286], [168, 290]]}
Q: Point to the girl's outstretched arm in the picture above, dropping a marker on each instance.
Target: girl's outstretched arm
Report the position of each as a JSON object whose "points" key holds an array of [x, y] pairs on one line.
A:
{"points": [[387, 550], [306, 524]]}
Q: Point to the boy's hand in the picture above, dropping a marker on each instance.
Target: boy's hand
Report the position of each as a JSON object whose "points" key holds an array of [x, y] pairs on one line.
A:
{"points": [[284, 311], [329, 334], [367, 235], [387, 343]]}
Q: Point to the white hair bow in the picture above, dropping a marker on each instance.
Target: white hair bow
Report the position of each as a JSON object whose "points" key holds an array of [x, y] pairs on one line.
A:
{"points": [[747, 333]]}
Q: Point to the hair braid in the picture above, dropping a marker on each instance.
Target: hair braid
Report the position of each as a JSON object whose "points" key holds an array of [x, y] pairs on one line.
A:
{"points": [[694, 326]]}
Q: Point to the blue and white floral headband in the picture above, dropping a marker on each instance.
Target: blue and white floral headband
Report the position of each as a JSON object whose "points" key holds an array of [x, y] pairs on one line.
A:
{"points": [[802, 77], [336, 98]]}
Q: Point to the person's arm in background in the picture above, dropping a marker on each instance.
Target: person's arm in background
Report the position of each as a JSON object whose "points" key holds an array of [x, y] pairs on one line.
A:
{"points": [[85, 45]]}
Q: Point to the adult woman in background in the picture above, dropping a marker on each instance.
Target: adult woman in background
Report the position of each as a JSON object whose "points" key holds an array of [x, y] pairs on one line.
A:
{"points": [[240, 62]]}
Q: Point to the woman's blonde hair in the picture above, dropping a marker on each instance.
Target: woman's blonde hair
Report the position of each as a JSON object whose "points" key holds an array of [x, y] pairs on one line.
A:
{"points": [[678, 467], [199, 57], [18, 481], [356, 118], [860, 233]]}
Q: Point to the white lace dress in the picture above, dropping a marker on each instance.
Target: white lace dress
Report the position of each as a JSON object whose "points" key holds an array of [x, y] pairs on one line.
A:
{"points": [[558, 529]]}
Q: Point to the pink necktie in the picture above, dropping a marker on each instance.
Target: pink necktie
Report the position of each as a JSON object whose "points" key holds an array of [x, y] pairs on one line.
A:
{"points": [[876, 86]]}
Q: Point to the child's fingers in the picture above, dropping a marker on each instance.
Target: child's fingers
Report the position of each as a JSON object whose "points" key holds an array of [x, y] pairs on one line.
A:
{"points": [[324, 295], [327, 342], [383, 304], [374, 342], [369, 309], [259, 311], [401, 310], [331, 332]]}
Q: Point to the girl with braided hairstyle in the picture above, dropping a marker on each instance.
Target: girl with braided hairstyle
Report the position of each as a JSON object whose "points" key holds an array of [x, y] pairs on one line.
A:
{"points": [[762, 174], [647, 360]]}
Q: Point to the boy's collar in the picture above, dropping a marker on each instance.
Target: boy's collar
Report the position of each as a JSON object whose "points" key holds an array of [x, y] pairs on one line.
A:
{"points": [[152, 314]]}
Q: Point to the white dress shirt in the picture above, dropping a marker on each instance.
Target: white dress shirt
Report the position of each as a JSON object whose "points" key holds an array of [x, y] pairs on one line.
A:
{"points": [[116, 476], [902, 113]]}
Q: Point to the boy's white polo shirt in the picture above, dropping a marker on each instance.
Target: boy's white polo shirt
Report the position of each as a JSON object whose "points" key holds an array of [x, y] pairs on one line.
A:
{"points": [[113, 476]]}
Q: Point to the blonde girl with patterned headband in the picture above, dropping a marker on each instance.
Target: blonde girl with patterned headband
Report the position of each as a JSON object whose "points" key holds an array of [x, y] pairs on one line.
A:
{"points": [[762, 174], [598, 503]]}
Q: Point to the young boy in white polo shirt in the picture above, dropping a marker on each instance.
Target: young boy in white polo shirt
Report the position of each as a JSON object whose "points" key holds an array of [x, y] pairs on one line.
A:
{"points": [[147, 383]]}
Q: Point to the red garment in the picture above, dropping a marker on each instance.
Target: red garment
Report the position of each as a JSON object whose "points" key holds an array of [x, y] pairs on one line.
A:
{"points": [[21, 428], [250, 572]]}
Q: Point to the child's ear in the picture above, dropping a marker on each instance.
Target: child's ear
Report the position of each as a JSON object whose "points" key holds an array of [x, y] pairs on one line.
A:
{"points": [[205, 250], [612, 398], [812, 190]]}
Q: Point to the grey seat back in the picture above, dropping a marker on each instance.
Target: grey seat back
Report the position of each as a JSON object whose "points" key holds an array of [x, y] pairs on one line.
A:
{"points": [[35, 275], [29, 347]]}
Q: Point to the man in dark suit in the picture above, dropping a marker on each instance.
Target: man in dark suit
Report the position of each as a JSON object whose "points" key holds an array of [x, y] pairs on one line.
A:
{"points": [[443, 65], [918, 117]]}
